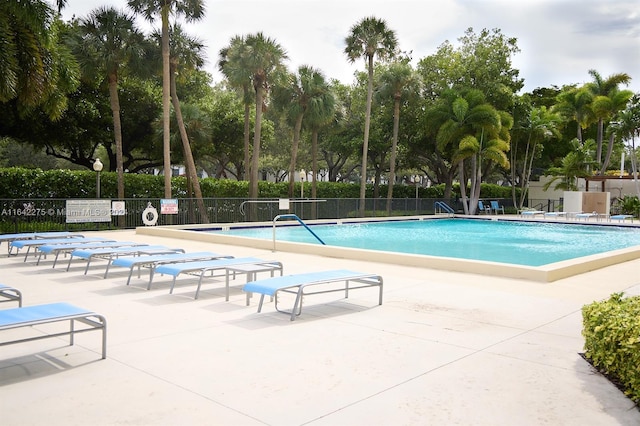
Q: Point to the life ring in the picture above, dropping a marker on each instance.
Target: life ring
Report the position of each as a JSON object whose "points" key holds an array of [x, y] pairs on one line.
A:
{"points": [[150, 215]]}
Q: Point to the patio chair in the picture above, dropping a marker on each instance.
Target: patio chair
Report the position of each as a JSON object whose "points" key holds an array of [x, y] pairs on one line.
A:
{"points": [[496, 207], [484, 209]]}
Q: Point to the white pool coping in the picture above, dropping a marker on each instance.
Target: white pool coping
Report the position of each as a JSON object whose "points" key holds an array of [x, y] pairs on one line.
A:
{"points": [[544, 274]]}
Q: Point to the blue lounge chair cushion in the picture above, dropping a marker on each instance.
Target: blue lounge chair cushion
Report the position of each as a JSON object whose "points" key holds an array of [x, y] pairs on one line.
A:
{"points": [[39, 313], [270, 286]]}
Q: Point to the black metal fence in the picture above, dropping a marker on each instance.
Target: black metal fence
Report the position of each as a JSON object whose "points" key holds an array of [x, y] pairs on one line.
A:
{"points": [[33, 215]]}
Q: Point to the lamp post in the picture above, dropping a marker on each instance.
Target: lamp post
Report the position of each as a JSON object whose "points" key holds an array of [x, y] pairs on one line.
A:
{"points": [[97, 166], [303, 175]]}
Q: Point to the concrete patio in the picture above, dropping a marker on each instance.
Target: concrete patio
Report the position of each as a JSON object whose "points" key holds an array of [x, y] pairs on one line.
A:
{"points": [[444, 348]]}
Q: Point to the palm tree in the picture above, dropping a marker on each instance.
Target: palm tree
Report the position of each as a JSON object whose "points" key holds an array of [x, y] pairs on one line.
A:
{"points": [[602, 87], [304, 92], [192, 10], [109, 43], [541, 125], [264, 63], [574, 104], [185, 52], [233, 64], [626, 125], [369, 38], [476, 131], [605, 107], [36, 68], [394, 81], [574, 165], [320, 112]]}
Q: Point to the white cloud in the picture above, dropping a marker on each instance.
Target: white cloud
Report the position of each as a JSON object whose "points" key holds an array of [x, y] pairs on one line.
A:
{"points": [[560, 40]]}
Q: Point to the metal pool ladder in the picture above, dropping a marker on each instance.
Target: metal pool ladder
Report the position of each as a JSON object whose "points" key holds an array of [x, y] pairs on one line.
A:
{"points": [[291, 216], [441, 206]]}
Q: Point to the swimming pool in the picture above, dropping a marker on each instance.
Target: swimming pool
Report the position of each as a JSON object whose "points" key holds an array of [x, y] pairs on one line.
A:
{"points": [[474, 247], [518, 243]]}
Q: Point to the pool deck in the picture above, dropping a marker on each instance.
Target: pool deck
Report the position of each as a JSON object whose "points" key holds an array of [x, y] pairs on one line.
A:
{"points": [[443, 348]]}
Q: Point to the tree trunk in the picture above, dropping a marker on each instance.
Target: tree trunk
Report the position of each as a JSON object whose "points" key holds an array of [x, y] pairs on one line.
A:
{"points": [[188, 155], [394, 149], [314, 170], [247, 134], [365, 141], [255, 160], [117, 131], [166, 103], [294, 154]]}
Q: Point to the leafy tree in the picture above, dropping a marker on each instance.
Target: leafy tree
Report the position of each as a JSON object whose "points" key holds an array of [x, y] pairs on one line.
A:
{"points": [[602, 106], [541, 125], [192, 10], [477, 131], [306, 94], [185, 53], [109, 42], [626, 126], [36, 68], [573, 166], [265, 62], [367, 39], [397, 81], [235, 66]]}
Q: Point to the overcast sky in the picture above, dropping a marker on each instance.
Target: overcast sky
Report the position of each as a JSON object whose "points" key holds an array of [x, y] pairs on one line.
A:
{"points": [[560, 40]]}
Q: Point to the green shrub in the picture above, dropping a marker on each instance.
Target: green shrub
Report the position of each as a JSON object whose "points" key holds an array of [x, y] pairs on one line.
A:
{"points": [[18, 183], [611, 330]]}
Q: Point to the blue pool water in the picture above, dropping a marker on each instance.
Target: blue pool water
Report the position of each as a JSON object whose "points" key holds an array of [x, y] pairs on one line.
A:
{"points": [[518, 243]]}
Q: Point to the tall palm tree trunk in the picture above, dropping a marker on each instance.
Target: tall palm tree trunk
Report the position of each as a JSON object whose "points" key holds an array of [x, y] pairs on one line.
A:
{"points": [[394, 149], [294, 154], [166, 103], [255, 159], [365, 142], [314, 171], [247, 135], [117, 130], [188, 155]]}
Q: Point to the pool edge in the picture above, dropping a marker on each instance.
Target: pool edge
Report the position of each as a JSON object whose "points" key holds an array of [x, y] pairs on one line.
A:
{"points": [[543, 274]]}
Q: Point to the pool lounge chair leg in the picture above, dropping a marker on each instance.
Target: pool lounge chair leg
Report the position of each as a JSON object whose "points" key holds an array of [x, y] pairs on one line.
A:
{"points": [[259, 304], [173, 284]]}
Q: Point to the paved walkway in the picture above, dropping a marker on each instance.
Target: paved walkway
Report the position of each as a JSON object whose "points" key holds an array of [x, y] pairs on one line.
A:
{"points": [[444, 348]]}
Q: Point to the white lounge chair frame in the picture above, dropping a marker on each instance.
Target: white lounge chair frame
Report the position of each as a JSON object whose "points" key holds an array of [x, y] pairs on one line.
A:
{"points": [[9, 238], [58, 249], [152, 262], [201, 268], [52, 313], [112, 253], [10, 294], [297, 284]]}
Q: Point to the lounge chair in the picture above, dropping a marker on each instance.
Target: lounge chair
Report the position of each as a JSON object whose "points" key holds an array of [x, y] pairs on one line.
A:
{"points": [[57, 249], [555, 214], [586, 216], [296, 284], [483, 209], [621, 217], [152, 262], [531, 212], [201, 268], [496, 207], [35, 243], [10, 294], [9, 238], [27, 317], [112, 253]]}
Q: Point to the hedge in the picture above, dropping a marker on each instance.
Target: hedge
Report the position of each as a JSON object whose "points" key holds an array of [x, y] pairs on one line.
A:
{"points": [[18, 183], [611, 330]]}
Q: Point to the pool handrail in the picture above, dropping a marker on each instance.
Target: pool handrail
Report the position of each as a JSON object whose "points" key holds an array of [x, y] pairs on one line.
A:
{"points": [[292, 216], [444, 207]]}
